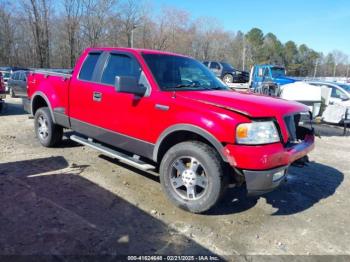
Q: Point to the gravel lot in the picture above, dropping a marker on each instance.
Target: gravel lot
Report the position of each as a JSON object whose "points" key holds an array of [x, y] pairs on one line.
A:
{"points": [[72, 200]]}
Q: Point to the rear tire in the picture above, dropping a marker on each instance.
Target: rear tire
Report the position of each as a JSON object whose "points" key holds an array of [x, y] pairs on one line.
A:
{"points": [[192, 176], [228, 78], [12, 93], [48, 133]]}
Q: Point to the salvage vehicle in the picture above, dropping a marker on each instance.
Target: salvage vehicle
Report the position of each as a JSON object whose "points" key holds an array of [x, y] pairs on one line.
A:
{"points": [[267, 79], [167, 112], [304, 93], [271, 80], [17, 84], [2, 92], [337, 105], [227, 72]]}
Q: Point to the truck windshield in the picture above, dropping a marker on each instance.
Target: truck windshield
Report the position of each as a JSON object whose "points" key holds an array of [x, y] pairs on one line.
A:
{"points": [[345, 87], [277, 72], [176, 72]]}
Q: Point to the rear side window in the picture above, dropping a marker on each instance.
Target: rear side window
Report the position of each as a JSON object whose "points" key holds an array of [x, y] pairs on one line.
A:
{"points": [[88, 67], [22, 77], [119, 65], [15, 76], [214, 65]]}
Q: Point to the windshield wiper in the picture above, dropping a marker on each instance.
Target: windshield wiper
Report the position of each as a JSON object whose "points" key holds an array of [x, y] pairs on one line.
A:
{"points": [[183, 86], [217, 88]]}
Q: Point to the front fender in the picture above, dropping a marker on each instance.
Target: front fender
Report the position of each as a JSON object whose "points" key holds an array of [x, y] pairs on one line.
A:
{"points": [[191, 128]]}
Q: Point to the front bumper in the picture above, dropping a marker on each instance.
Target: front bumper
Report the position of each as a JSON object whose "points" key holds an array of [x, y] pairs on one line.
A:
{"points": [[261, 182], [260, 163]]}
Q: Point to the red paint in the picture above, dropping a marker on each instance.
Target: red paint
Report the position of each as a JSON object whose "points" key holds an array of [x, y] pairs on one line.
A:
{"points": [[217, 112]]}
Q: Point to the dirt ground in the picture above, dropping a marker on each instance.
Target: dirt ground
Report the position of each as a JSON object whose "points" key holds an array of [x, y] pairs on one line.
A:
{"points": [[72, 200]]}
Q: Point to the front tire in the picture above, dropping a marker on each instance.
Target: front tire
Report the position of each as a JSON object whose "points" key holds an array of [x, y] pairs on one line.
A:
{"points": [[192, 176], [48, 133]]}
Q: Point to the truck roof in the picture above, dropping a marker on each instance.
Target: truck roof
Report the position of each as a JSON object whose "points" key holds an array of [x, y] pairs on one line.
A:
{"points": [[133, 50]]}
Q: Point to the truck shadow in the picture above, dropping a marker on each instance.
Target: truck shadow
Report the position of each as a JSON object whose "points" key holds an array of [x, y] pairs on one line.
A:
{"points": [[305, 188], [12, 109], [46, 208]]}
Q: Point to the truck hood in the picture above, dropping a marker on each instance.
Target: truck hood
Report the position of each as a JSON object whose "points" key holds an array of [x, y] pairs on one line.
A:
{"points": [[284, 80], [248, 104]]}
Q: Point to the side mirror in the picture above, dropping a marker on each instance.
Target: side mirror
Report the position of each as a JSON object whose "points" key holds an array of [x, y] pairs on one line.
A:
{"points": [[130, 85]]}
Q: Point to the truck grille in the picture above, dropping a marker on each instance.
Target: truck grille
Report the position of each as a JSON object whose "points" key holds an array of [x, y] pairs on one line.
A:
{"points": [[298, 125]]}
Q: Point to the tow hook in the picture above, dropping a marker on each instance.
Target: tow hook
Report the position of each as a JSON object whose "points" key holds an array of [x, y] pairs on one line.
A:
{"points": [[301, 162]]}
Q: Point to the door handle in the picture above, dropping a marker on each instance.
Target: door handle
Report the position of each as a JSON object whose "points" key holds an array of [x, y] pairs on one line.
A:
{"points": [[97, 97], [162, 107]]}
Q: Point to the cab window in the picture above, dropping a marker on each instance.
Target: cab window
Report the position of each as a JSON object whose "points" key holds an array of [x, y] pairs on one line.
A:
{"points": [[119, 65], [87, 70]]}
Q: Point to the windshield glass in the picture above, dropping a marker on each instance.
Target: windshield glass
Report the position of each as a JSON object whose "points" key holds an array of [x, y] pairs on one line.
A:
{"points": [[277, 72], [176, 72], [7, 75], [345, 87]]}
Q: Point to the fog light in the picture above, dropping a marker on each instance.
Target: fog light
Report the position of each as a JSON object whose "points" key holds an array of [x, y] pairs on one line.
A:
{"points": [[278, 175]]}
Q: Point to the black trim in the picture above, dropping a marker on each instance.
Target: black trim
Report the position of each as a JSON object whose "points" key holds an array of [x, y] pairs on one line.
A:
{"points": [[61, 119], [26, 105], [115, 139], [42, 95], [187, 127], [261, 181]]}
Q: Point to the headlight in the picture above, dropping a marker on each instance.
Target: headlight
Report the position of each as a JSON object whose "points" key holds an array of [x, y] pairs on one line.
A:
{"points": [[257, 133]]}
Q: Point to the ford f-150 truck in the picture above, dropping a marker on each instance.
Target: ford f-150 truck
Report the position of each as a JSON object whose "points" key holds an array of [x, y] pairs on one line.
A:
{"points": [[168, 112]]}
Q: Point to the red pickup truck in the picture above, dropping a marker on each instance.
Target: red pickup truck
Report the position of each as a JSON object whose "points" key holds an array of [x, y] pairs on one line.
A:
{"points": [[168, 112]]}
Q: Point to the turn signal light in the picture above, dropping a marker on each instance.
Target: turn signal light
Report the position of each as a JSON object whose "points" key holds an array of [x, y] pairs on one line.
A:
{"points": [[242, 131]]}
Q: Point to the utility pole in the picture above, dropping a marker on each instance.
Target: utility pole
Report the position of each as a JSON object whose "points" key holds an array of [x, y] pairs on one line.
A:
{"points": [[243, 54], [335, 69], [132, 36], [347, 71], [316, 65]]}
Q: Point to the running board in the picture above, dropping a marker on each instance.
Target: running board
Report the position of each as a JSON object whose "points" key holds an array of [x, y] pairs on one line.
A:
{"points": [[113, 153]]}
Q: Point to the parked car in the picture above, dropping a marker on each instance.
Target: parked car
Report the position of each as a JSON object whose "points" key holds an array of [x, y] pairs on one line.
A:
{"points": [[7, 71], [162, 111], [337, 108], [2, 92], [6, 76], [267, 79], [17, 84], [227, 72]]}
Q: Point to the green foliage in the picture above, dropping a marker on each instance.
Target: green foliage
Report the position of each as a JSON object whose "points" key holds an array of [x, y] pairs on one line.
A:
{"points": [[299, 61]]}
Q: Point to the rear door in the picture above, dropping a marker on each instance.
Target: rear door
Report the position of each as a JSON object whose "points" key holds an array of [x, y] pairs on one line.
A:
{"points": [[82, 96]]}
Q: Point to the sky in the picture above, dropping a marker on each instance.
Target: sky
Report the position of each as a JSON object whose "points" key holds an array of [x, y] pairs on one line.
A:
{"points": [[322, 25]]}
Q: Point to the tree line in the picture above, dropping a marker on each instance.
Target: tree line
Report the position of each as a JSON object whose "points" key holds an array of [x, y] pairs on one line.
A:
{"points": [[48, 33]]}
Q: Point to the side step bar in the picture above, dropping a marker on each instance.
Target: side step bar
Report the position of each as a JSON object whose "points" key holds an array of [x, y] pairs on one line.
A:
{"points": [[113, 153]]}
